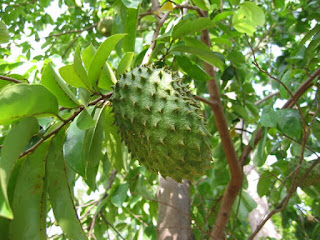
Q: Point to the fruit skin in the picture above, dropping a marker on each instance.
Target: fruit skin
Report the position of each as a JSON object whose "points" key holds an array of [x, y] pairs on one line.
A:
{"points": [[105, 26], [161, 123]]}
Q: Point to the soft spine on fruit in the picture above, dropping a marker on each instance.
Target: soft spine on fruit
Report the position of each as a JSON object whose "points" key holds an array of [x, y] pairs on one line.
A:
{"points": [[161, 123]]}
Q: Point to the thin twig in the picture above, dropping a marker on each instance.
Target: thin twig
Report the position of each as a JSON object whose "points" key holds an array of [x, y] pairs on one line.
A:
{"points": [[267, 98], [108, 223], [9, 79], [55, 131], [147, 56], [68, 32]]}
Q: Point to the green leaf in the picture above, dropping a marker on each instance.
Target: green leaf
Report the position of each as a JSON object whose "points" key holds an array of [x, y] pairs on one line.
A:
{"points": [[59, 192], [264, 184], [29, 202], [125, 63], [191, 26], [92, 149], [207, 56], [22, 100], [248, 17], [285, 79], [260, 154], [202, 4], [100, 57], [119, 195], [72, 149], [316, 129], [222, 16], [269, 118], [131, 3], [131, 26], [237, 58], [80, 69], [241, 111], [55, 84], [113, 141], [289, 122], [107, 76], [13, 146], [192, 69], [4, 33], [309, 34], [70, 76], [85, 121]]}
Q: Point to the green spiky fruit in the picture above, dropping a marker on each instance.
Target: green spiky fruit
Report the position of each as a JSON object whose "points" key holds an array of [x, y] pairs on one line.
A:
{"points": [[161, 123], [105, 26]]}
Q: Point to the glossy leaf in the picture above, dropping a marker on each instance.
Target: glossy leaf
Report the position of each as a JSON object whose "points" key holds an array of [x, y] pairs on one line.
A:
{"points": [[269, 118], [80, 69], [29, 202], [222, 16], [22, 100], [100, 57], [72, 149], [60, 196], [248, 17], [119, 195], [4, 33], [70, 76], [192, 69], [85, 121], [207, 56], [202, 4], [55, 84], [92, 148], [289, 122], [264, 184], [13, 146], [125, 62], [192, 26], [113, 142], [285, 79], [128, 42]]}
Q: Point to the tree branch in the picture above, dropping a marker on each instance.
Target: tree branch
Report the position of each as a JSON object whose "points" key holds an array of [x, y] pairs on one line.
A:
{"points": [[65, 122], [9, 79], [235, 183], [147, 56]]}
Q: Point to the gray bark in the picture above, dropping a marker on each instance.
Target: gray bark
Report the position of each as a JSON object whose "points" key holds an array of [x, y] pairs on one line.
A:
{"points": [[174, 221]]}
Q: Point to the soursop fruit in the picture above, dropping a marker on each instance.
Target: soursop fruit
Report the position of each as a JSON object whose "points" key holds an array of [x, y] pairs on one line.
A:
{"points": [[161, 123]]}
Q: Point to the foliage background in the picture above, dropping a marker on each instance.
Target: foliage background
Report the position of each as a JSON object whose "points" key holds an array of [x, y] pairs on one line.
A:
{"points": [[122, 203]]}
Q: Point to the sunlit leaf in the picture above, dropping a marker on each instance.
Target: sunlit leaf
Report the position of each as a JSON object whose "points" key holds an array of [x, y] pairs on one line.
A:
{"points": [[100, 57], [125, 63], [55, 84], [29, 202], [113, 142], [4, 33], [92, 148], [208, 56], [60, 196], [192, 26], [13, 146], [119, 195], [22, 100]]}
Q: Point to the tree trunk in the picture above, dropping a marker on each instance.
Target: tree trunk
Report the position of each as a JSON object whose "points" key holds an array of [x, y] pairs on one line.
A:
{"points": [[269, 229], [174, 221]]}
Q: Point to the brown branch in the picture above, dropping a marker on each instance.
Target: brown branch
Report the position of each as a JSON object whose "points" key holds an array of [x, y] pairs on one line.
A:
{"points": [[302, 89], [289, 104], [108, 223], [9, 79], [65, 122], [211, 103], [68, 32], [187, 6], [147, 56], [235, 183], [110, 182], [267, 98]]}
